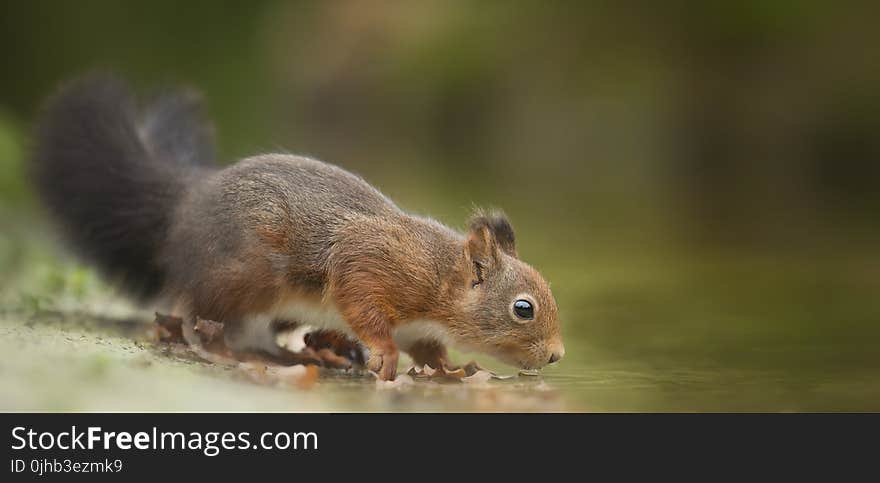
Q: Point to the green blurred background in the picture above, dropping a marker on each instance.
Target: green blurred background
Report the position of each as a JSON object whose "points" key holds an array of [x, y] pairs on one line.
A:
{"points": [[698, 180]]}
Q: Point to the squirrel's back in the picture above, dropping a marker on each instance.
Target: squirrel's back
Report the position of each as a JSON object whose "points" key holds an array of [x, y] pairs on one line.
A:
{"points": [[270, 214]]}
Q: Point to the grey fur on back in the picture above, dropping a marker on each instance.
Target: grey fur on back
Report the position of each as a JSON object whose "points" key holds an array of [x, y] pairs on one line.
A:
{"points": [[299, 201]]}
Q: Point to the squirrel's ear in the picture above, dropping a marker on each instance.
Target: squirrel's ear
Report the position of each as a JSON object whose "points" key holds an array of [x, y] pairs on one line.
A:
{"points": [[481, 247], [498, 229]]}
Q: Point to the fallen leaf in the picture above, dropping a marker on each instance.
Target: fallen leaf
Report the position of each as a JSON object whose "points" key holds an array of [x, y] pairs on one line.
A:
{"points": [[168, 328], [302, 376], [456, 374], [472, 368], [208, 330]]}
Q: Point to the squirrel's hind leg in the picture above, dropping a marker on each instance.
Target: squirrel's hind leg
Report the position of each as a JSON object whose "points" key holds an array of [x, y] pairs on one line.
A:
{"points": [[335, 348], [255, 337], [331, 348]]}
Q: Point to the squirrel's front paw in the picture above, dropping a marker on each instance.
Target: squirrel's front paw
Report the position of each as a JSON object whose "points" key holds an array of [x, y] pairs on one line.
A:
{"points": [[383, 363]]}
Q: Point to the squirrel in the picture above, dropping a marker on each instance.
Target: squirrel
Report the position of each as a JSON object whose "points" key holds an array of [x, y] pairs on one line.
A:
{"points": [[135, 191]]}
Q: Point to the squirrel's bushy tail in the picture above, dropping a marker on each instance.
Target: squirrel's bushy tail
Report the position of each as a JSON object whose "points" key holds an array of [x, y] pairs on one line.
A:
{"points": [[112, 173]]}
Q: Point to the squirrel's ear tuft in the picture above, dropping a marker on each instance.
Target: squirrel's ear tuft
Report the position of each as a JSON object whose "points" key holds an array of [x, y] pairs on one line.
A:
{"points": [[498, 229]]}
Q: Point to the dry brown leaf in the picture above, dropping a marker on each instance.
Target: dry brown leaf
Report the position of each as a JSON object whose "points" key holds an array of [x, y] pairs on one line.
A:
{"points": [[208, 331], [310, 378], [469, 373], [302, 376], [452, 374], [413, 372], [472, 368], [168, 328]]}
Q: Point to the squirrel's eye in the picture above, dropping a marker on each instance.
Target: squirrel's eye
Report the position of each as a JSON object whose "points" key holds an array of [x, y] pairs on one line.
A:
{"points": [[523, 309]]}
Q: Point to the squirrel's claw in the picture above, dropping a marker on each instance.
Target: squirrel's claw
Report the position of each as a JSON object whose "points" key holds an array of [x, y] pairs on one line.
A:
{"points": [[383, 364]]}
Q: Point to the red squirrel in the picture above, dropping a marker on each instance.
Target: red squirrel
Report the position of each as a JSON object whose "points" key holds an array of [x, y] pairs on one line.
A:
{"points": [[277, 237]]}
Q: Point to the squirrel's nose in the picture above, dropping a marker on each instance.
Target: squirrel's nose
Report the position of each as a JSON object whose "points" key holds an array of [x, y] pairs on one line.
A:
{"points": [[557, 350]]}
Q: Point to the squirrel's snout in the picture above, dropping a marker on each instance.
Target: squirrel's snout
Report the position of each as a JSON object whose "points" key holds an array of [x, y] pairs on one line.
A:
{"points": [[556, 353]]}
